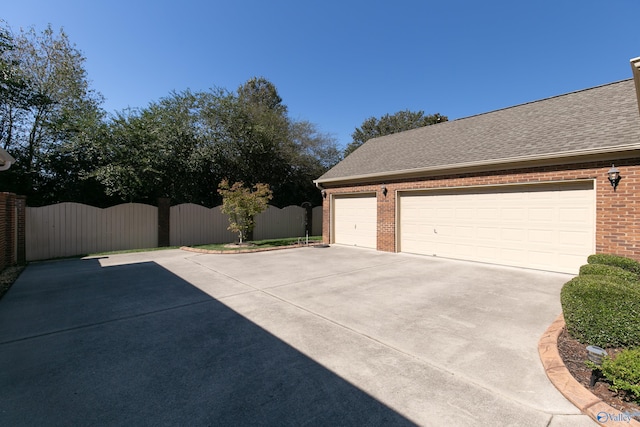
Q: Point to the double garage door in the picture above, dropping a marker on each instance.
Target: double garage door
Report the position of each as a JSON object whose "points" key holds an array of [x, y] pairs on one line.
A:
{"points": [[548, 227]]}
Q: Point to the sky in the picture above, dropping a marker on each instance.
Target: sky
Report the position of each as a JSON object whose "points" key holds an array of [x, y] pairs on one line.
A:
{"points": [[337, 63]]}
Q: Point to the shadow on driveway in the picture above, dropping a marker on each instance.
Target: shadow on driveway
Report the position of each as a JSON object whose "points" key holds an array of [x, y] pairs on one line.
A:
{"points": [[136, 345]]}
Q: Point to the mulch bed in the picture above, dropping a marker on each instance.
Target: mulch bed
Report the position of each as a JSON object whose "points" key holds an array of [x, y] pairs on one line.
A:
{"points": [[574, 355], [8, 276]]}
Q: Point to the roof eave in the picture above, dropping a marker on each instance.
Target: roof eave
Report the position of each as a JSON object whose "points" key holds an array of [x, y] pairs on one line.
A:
{"points": [[522, 161]]}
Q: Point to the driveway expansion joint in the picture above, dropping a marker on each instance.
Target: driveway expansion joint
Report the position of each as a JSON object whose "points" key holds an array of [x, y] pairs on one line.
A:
{"points": [[104, 322]]}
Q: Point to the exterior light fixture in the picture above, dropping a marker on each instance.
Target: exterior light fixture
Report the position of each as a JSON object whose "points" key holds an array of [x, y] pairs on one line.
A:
{"points": [[6, 160], [595, 355], [614, 176], [384, 190], [324, 194]]}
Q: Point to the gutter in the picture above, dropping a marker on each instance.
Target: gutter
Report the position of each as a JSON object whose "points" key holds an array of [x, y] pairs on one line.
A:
{"points": [[482, 163]]}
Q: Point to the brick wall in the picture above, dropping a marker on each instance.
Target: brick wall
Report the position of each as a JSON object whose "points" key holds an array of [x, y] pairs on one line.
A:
{"points": [[617, 213], [7, 230]]}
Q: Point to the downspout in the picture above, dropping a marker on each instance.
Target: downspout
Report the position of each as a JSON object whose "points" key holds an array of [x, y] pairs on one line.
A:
{"points": [[635, 68]]}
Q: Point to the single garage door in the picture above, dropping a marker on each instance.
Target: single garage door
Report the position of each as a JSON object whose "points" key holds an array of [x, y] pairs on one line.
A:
{"points": [[549, 227], [354, 220]]}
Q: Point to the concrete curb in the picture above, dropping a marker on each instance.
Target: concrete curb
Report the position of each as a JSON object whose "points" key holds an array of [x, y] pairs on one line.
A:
{"points": [[247, 251], [561, 378]]}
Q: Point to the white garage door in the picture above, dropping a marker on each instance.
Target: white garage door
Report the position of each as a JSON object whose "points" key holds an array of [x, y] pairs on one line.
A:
{"points": [[548, 227], [355, 221]]}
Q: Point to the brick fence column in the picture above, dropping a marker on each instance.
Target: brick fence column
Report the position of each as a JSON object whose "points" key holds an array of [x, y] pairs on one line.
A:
{"points": [[164, 222], [3, 230], [8, 232], [21, 247]]}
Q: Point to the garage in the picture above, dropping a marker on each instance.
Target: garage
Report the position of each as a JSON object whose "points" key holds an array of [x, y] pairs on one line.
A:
{"points": [[354, 220], [548, 227]]}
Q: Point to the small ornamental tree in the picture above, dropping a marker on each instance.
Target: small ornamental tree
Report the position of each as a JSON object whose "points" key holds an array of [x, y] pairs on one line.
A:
{"points": [[242, 205]]}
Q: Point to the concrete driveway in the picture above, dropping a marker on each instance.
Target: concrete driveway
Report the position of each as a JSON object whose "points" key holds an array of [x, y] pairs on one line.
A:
{"points": [[311, 336]]}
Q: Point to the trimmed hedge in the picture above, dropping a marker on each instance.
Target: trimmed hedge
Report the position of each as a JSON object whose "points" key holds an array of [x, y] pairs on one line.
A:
{"points": [[615, 261], [624, 372], [602, 310], [609, 270]]}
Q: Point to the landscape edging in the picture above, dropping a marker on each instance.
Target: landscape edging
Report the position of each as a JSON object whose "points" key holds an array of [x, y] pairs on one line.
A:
{"points": [[561, 378]]}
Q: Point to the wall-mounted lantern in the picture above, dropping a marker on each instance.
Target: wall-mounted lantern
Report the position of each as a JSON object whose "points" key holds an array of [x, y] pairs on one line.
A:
{"points": [[324, 194], [614, 176], [384, 190], [6, 160]]}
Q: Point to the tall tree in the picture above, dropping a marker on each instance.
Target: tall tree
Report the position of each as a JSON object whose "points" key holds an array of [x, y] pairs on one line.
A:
{"points": [[250, 135], [60, 104], [313, 153], [15, 94], [389, 124], [155, 152]]}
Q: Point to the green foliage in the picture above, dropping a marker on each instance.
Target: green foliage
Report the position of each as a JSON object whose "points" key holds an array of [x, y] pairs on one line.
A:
{"points": [[616, 261], [242, 205], [624, 372], [48, 107], [389, 124], [68, 149], [608, 270], [602, 310]]}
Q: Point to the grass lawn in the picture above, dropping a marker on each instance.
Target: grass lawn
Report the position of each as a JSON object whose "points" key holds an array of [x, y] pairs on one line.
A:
{"points": [[258, 244]]}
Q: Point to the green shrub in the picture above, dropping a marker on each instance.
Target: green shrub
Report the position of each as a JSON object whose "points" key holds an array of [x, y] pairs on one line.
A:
{"points": [[609, 270], [616, 261], [602, 310], [624, 372]]}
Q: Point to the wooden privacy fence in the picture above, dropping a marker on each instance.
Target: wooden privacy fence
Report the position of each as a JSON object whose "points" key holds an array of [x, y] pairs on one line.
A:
{"points": [[69, 229]]}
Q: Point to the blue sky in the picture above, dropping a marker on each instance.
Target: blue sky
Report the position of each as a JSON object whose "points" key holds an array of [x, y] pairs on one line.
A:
{"points": [[336, 63]]}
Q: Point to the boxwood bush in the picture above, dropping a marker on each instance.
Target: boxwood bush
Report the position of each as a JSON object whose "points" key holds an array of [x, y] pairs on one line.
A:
{"points": [[624, 372], [616, 261], [609, 270], [602, 310]]}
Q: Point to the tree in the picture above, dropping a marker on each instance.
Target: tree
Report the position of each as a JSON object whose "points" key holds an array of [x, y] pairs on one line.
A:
{"points": [[313, 153], [15, 94], [248, 137], [158, 151], [242, 205], [389, 124], [54, 110]]}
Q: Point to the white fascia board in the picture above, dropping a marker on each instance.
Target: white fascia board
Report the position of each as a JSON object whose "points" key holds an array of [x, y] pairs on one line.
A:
{"points": [[481, 164]]}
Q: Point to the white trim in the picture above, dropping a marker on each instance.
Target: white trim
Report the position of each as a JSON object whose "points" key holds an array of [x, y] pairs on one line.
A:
{"points": [[508, 184], [483, 163]]}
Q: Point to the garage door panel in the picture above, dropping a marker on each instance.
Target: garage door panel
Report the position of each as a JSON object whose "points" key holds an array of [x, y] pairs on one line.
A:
{"points": [[355, 221], [550, 227], [541, 214], [574, 238], [541, 236]]}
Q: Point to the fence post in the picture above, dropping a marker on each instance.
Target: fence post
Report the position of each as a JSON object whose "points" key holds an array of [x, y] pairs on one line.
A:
{"points": [[164, 221]]}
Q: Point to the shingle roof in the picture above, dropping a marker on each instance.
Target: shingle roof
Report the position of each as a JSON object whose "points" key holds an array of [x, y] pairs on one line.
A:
{"points": [[592, 120]]}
